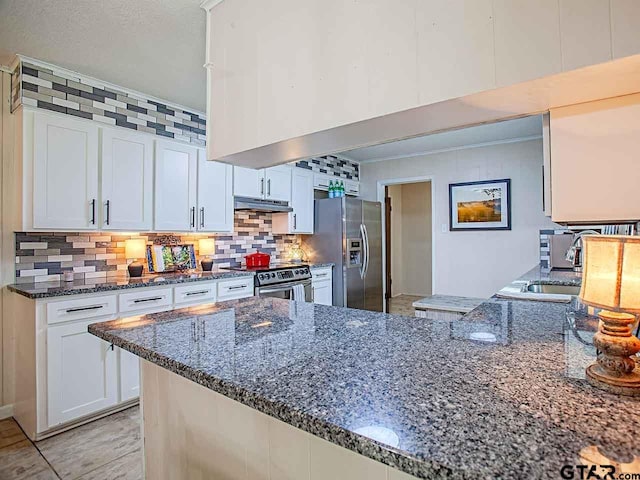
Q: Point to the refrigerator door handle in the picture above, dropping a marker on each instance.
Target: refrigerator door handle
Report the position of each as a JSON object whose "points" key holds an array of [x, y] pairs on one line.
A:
{"points": [[365, 245]]}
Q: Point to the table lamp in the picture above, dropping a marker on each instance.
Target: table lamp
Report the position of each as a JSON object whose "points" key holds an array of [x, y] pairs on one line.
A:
{"points": [[206, 248], [611, 281], [134, 249]]}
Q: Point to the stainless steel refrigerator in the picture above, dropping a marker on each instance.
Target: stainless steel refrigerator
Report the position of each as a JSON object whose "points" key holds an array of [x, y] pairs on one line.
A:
{"points": [[348, 233]]}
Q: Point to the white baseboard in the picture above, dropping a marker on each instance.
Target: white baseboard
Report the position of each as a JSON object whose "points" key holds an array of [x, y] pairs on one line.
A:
{"points": [[6, 411]]}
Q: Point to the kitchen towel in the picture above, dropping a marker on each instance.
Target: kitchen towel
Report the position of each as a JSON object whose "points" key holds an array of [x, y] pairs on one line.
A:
{"points": [[298, 293]]}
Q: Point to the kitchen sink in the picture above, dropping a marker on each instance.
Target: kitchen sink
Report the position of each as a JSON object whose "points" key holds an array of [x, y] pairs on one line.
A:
{"points": [[552, 289]]}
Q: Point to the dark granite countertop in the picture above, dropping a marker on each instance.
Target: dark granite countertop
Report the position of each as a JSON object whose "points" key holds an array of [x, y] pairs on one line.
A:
{"points": [[95, 285], [511, 404]]}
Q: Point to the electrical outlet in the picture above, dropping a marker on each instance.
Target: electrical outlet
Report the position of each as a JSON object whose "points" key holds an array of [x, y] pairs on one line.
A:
{"points": [[444, 228]]}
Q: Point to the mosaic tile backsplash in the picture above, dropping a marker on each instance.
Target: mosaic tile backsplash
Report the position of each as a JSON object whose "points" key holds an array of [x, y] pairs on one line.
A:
{"points": [[332, 165], [58, 91], [45, 256]]}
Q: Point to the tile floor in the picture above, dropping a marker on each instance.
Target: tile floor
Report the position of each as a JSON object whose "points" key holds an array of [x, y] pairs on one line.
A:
{"points": [[402, 304], [107, 449]]}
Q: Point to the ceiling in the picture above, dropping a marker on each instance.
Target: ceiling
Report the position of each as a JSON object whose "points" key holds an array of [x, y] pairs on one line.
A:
{"points": [[154, 46], [500, 132]]}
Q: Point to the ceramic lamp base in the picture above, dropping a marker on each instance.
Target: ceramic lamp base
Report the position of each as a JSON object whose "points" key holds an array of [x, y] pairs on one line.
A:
{"points": [[207, 265], [135, 269], [615, 370]]}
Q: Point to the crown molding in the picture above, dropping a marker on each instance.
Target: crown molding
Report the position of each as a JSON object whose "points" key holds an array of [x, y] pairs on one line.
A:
{"points": [[208, 5], [453, 149]]}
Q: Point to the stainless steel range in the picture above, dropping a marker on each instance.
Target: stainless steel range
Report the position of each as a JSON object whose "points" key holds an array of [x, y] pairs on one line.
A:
{"points": [[290, 281]]}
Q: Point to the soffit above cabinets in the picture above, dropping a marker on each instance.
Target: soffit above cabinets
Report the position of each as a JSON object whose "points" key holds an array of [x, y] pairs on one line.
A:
{"points": [[612, 79]]}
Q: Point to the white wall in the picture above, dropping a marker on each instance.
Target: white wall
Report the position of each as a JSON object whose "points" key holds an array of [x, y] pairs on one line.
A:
{"points": [[476, 263], [411, 239]]}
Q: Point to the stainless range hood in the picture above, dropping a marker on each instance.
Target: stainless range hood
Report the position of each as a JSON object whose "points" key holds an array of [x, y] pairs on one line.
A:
{"points": [[259, 205]]}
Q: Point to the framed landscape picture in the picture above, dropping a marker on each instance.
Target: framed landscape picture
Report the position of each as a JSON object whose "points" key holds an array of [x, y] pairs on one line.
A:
{"points": [[480, 205]]}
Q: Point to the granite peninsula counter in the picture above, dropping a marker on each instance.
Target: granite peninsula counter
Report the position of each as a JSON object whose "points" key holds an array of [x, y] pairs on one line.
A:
{"points": [[405, 394]]}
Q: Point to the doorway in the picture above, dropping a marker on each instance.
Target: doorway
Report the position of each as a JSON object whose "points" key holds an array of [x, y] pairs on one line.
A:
{"points": [[408, 248]]}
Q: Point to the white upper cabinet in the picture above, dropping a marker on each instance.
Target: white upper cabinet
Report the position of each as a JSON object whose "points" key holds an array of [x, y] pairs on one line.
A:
{"points": [[272, 183], [248, 182], [65, 173], [278, 183], [301, 219], [127, 180], [175, 187], [594, 161], [215, 195]]}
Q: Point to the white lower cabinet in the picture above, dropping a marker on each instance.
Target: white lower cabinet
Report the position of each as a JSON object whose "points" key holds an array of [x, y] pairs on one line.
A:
{"points": [[129, 366], [322, 285], [82, 373]]}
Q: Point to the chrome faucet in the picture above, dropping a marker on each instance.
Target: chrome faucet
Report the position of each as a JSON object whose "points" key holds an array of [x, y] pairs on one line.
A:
{"points": [[574, 253]]}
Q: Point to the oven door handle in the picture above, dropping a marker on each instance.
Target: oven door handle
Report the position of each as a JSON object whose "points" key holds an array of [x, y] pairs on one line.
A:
{"points": [[283, 287], [275, 290]]}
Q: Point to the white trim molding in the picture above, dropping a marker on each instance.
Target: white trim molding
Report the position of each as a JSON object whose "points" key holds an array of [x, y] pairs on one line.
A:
{"points": [[208, 5], [6, 411], [451, 149]]}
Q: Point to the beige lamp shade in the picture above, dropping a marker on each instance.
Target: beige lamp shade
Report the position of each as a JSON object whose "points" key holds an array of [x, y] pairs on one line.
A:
{"points": [[206, 246], [135, 248], [611, 272]]}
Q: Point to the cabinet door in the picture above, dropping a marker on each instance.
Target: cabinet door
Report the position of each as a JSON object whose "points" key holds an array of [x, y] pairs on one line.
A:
{"points": [[596, 144], [175, 187], [81, 373], [301, 201], [322, 292], [65, 173], [215, 195], [127, 180], [129, 375], [278, 183], [248, 182]]}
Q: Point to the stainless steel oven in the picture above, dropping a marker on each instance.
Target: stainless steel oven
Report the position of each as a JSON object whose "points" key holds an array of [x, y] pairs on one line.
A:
{"points": [[287, 281]]}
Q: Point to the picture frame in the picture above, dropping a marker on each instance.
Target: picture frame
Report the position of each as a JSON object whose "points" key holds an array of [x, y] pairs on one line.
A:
{"points": [[483, 205]]}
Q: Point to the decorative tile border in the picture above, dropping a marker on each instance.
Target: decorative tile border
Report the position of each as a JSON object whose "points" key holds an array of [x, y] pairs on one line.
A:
{"points": [[42, 257], [68, 93], [332, 165]]}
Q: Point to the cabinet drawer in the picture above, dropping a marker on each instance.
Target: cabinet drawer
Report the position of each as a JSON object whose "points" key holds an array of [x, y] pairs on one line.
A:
{"points": [[199, 293], [151, 299], [238, 288], [320, 274], [81, 309]]}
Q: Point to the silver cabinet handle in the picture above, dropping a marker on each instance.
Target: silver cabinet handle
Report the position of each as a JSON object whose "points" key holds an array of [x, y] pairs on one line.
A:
{"points": [[295, 221], [237, 287], [193, 217], [321, 275], [152, 299], [201, 217], [82, 309], [262, 186], [200, 292], [108, 205], [269, 188], [93, 211]]}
